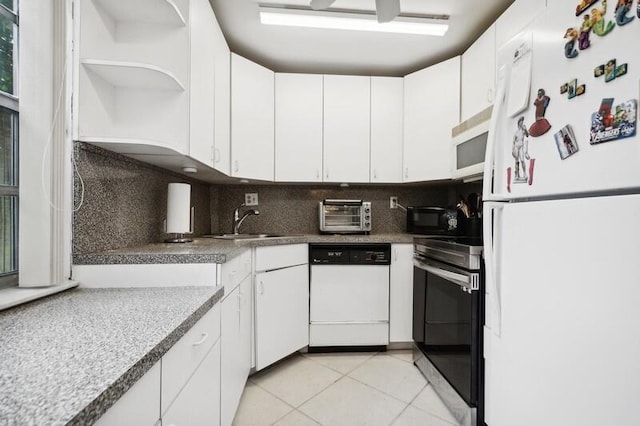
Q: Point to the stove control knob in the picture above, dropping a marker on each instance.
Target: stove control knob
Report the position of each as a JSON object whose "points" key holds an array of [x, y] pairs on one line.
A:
{"points": [[367, 210], [367, 224]]}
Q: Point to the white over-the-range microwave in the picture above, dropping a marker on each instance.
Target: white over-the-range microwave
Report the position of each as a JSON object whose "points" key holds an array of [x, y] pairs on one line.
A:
{"points": [[469, 146]]}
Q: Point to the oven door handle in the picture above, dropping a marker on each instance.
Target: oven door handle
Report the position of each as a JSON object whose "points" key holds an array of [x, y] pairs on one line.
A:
{"points": [[462, 280]]}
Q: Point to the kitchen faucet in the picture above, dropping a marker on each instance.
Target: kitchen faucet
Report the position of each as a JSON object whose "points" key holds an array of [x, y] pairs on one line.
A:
{"points": [[237, 219]]}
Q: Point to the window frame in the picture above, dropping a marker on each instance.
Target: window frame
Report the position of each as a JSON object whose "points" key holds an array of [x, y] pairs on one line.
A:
{"points": [[10, 102]]}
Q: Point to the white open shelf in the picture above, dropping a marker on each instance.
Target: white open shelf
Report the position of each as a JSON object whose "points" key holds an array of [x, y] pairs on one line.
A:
{"points": [[133, 75], [152, 11]]}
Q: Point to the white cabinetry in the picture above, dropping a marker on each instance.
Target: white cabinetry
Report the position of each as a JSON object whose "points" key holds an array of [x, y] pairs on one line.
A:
{"points": [[282, 302], [298, 127], [431, 110], [198, 404], [346, 128], [515, 18], [401, 293], [236, 320], [222, 102], [202, 23], [387, 95], [478, 75], [140, 405], [132, 69], [252, 116]]}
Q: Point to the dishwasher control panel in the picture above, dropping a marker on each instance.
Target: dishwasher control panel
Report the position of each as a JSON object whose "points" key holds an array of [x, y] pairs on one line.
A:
{"points": [[350, 254]]}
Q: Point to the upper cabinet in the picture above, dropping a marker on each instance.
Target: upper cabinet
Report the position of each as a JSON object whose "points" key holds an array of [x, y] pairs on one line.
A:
{"points": [[478, 75], [298, 127], [431, 109], [252, 120], [132, 69], [346, 128], [222, 102], [387, 94], [201, 136]]}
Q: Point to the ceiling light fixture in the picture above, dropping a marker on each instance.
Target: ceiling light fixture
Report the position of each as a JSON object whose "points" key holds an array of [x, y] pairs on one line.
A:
{"points": [[351, 20]]}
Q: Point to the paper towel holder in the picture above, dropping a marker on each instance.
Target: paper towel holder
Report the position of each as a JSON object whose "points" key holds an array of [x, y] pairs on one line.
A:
{"points": [[180, 237]]}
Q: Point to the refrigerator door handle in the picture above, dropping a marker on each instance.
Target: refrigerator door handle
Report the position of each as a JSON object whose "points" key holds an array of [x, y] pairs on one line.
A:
{"points": [[489, 158], [491, 251]]}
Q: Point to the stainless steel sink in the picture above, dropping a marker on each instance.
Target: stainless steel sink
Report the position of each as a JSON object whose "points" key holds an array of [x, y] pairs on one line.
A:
{"points": [[243, 236]]}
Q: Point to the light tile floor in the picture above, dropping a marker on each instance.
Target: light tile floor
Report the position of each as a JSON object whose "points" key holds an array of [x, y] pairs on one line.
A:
{"points": [[342, 389]]}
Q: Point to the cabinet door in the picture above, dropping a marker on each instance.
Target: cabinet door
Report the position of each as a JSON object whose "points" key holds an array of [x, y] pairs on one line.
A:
{"points": [[346, 128], [234, 368], [140, 405], [298, 143], [222, 101], [252, 114], [201, 111], [431, 110], [401, 293], [478, 75], [282, 313], [386, 129], [199, 401]]}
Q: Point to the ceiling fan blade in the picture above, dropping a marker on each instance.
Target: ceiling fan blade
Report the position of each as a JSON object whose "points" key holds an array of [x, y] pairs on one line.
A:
{"points": [[321, 4], [387, 10]]}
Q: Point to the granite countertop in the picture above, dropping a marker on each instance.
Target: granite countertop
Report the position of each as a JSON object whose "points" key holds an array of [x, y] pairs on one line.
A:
{"points": [[212, 250], [67, 358]]}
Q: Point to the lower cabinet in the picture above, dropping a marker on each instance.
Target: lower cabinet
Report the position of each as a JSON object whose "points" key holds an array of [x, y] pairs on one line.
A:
{"points": [[140, 405], [282, 313], [198, 403], [236, 348], [401, 293]]}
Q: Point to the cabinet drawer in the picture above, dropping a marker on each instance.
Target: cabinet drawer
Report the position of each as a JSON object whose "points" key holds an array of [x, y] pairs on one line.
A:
{"points": [[276, 257], [235, 270], [179, 363]]}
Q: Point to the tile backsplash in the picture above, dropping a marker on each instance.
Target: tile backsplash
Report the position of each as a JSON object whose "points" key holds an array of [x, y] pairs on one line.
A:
{"points": [[124, 203]]}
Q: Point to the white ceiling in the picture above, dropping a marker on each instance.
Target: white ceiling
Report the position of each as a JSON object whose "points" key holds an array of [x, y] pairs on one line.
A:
{"points": [[289, 49]]}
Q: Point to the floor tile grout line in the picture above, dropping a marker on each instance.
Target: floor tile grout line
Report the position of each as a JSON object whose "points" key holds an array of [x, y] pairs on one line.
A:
{"points": [[344, 374], [429, 412]]}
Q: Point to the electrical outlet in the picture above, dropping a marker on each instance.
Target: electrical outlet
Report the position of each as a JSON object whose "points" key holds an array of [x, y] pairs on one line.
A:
{"points": [[251, 199], [393, 202]]}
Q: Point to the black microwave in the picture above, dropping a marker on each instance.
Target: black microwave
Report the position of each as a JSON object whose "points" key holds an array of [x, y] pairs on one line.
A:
{"points": [[429, 220]]}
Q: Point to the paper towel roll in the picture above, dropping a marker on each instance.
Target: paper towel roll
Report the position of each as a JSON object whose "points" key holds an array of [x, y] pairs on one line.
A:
{"points": [[178, 208]]}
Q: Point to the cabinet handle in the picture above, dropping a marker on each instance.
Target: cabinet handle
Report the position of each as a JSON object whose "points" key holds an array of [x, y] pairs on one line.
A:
{"points": [[326, 173], [375, 174], [406, 172], [261, 288], [235, 166], [489, 95], [216, 155], [204, 337], [317, 173]]}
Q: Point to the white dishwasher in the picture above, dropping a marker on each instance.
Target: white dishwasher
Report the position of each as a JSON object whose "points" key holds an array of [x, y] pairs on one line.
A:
{"points": [[349, 294]]}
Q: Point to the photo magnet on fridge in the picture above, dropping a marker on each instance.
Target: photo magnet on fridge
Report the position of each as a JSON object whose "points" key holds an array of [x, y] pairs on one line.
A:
{"points": [[572, 89], [566, 142], [610, 70], [541, 125], [609, 124], [520, 152]]}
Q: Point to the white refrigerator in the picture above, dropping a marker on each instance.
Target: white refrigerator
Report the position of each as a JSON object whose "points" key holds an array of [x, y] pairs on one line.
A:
{"points": [[562, 221]]}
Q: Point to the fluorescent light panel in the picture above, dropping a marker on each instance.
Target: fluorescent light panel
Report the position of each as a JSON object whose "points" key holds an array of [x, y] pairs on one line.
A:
{"points": [[350, 21]]}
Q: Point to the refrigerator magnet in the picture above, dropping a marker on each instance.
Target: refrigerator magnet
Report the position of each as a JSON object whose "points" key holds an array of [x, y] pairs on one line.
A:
{"points": [[600, 26], [572, 89], [520, 152], [541, 125], [571, 35], [566, 142], [609, 123], [584, 5], [585, 32], [610, 71], [622, 8]]}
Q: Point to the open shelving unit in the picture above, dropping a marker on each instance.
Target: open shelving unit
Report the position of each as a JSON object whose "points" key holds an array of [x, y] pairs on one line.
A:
{"points": [[151, 11]]}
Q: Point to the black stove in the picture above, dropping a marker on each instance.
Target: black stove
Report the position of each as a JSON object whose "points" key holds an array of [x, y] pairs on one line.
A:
{"points": [[448, 307]]}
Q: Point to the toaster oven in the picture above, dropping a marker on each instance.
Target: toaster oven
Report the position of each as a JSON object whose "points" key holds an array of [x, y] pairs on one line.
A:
{"points": [[345, 216]]}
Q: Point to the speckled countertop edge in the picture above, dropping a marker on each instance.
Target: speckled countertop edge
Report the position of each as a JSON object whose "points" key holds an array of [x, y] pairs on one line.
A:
{"points": [[56, 366], [211, 250]]}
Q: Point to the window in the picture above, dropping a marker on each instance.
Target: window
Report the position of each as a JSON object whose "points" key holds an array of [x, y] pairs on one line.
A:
{"points": [[8, 143]]}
